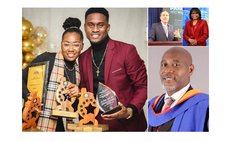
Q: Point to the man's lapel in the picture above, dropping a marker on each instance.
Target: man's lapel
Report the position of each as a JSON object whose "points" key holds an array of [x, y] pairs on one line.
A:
{"points": [[89, 70], [108, 59]]}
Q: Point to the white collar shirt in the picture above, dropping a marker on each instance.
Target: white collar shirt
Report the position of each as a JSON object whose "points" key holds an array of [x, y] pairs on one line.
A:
{"points": [[177, 95]]}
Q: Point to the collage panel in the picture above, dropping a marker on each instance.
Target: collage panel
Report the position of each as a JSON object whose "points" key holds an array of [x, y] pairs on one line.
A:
{"points": [[195, 26], [165, 26], [181, 74], [178, 69], [96, 65]]}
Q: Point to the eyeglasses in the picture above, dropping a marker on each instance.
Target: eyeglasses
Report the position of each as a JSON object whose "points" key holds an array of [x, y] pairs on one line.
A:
{"points": [[75, 46]]}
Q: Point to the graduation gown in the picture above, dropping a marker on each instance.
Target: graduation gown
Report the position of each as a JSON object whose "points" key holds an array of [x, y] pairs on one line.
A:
{"points": [[189, 114]]}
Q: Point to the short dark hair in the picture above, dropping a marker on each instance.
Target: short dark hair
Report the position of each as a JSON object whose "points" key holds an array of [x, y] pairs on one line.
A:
{"points": [[98, 10], [163, 10], [197, 10]]}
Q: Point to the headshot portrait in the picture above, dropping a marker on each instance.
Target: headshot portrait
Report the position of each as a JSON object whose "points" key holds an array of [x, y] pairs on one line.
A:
{"points": [[178, 87]]}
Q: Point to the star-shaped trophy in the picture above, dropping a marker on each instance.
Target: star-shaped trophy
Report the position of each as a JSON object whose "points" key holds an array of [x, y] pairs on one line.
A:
{"points": [[88, 110]]}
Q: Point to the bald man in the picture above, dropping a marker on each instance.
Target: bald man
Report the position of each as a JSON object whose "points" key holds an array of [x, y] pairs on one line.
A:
{"points": [[180, 108]]}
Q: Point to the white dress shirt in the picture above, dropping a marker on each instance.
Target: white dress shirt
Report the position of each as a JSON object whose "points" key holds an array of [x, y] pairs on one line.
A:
{"points": [[165, 27], [178, 95]]}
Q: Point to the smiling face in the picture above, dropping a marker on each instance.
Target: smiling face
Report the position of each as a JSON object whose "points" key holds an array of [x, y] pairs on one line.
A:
{"points": [[176, 69], [71, 46], [195, 15], [96, 27]]}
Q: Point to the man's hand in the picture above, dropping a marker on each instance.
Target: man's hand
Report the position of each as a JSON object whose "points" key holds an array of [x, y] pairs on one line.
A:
{"points": [[124, 113], [177, 34]]}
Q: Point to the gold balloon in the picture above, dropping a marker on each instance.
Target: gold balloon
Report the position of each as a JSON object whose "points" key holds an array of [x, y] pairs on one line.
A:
{"points": [[40, 49], [38, 35], [24, 65], [29, 57], [23, 55], [27, 45], [27, 28]]}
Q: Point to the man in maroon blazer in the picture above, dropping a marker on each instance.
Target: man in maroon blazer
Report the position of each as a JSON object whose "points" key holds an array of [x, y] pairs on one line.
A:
{"points": [[117, 65]]}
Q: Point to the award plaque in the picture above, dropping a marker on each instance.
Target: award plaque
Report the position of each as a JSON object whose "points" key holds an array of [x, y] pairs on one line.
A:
{"points": [[107, 99], [37, 79]]}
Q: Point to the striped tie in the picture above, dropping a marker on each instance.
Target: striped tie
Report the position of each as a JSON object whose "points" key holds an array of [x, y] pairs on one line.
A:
{"points": [[168, 103]]}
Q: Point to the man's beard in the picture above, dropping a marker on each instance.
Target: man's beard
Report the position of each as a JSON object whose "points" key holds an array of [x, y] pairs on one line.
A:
{"points": [[169, 88]]}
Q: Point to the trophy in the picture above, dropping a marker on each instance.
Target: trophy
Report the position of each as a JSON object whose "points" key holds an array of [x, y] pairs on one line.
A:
{"points": [[36, 84], [31, 112], [87, 100], [88, 110], [64, 101], [107, 99]]}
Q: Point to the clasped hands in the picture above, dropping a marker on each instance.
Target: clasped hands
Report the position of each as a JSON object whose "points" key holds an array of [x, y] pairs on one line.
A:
{"points": [[192, 41]]}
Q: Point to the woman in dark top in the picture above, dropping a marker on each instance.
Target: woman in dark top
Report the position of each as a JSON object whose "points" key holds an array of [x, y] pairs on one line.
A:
{"points": [[61, 64]]}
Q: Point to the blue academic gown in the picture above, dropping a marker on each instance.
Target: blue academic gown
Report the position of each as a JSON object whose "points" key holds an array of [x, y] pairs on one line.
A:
{"points": [[189, 113]]}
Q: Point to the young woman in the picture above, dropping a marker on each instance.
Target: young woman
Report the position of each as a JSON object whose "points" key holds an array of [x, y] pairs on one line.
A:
{"points": [[61, 64]]}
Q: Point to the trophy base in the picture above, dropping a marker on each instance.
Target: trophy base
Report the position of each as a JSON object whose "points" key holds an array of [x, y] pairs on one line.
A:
{"points": [[66, 114], [116, 109], [88, 128], [32, 130]]}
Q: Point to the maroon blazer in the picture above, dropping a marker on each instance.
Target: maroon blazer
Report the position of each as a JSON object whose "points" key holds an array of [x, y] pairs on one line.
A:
{"points": [[199, 32], [125, 73]]}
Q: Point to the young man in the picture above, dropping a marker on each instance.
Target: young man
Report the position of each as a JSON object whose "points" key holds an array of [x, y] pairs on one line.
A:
{"points": [[117, 65], [181, 108]]}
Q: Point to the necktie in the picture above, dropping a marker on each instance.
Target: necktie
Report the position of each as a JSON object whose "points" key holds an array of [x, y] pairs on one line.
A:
{"points": [[166, 30], [168, 103]]}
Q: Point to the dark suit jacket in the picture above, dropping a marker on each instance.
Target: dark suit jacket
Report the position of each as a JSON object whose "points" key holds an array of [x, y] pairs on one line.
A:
{"points": [[199, 32], [158, 34], [125, 73]]}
